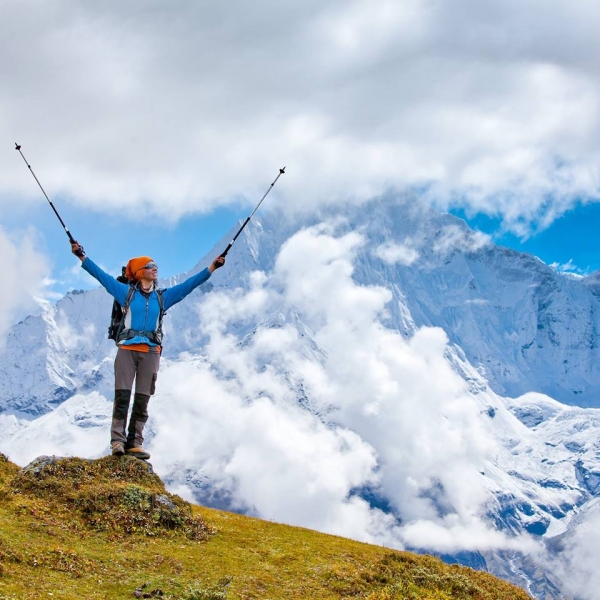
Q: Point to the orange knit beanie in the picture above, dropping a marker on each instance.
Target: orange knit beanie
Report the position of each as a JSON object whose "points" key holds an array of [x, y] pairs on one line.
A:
{"points": [[134, 268]]}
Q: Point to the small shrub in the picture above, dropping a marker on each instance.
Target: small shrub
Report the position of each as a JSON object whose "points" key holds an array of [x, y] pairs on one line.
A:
{"points": [[7, 552], [7, 469], [215, 591], [64, 561]]}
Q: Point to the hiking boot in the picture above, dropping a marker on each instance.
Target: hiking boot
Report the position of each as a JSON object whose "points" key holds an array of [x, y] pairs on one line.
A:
{"points": [[117, 449], [138, 453]]}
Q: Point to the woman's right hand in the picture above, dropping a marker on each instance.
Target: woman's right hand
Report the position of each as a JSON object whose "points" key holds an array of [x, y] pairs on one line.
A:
{"points": [[216, 264]]}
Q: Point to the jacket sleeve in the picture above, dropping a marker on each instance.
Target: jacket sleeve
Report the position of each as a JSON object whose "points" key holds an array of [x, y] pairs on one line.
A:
{"points": [[178, 292], [115, 288]]}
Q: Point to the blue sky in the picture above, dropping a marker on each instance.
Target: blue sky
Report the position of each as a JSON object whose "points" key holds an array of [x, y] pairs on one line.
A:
{"points": [[111, 239], [147, 123], [570, 242]]}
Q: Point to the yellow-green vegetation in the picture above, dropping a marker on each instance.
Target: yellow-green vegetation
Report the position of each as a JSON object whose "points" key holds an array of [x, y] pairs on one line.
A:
{"points": [[115, 495], [107, 529]]}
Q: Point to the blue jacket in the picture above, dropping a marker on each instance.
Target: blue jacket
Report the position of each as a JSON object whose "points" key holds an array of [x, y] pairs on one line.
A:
{"points": [[144, 309]]}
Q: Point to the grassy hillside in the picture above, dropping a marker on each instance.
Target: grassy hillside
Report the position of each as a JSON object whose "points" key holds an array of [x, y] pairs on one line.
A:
{"points": [[107, 529]]}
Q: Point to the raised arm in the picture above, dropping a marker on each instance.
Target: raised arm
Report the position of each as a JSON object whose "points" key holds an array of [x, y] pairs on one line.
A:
{"points": [[115, 288], [178, 292]]}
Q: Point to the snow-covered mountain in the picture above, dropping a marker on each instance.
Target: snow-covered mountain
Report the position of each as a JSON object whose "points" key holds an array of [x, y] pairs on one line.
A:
{"points": [[452, 443], [524, 326]]}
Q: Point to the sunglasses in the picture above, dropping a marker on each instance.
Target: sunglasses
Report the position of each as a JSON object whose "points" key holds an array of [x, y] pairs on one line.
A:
{"points": [[150, 265]]}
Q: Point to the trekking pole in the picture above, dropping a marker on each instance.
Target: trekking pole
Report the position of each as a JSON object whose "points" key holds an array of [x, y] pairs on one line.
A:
{"points": [[71, 238], [235, 237]]}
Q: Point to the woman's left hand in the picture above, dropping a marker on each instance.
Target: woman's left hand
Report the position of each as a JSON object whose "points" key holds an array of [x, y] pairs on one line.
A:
{"points": [[217, 263]]}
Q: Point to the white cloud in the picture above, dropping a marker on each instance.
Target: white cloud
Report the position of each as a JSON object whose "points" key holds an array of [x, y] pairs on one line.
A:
{"points": [[128, 108], [392, 253], [452, 238], [250, 438], [24, 271], [452, 535], [569, 268], [579, 557]]}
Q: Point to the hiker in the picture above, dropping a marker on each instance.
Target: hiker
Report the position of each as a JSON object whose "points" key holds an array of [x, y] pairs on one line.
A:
{"points": [[138, 340]]}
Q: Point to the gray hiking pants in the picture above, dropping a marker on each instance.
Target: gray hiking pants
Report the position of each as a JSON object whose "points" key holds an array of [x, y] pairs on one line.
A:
{"points": [[143, 367]]}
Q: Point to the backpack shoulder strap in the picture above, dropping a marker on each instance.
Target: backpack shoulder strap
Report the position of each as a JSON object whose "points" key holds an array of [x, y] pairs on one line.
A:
{"points": [[130, 293], [161, 300]]}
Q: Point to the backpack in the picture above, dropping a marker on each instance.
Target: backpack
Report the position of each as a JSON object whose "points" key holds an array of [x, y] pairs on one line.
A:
{"points": [[117, 318]]}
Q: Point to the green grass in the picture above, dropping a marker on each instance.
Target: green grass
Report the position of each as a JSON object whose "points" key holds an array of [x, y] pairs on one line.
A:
{"points": [[107, 529]]}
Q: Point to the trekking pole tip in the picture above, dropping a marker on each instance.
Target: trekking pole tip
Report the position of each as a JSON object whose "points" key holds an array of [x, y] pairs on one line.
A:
{"points": [[282, 171], [18, 147]]}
